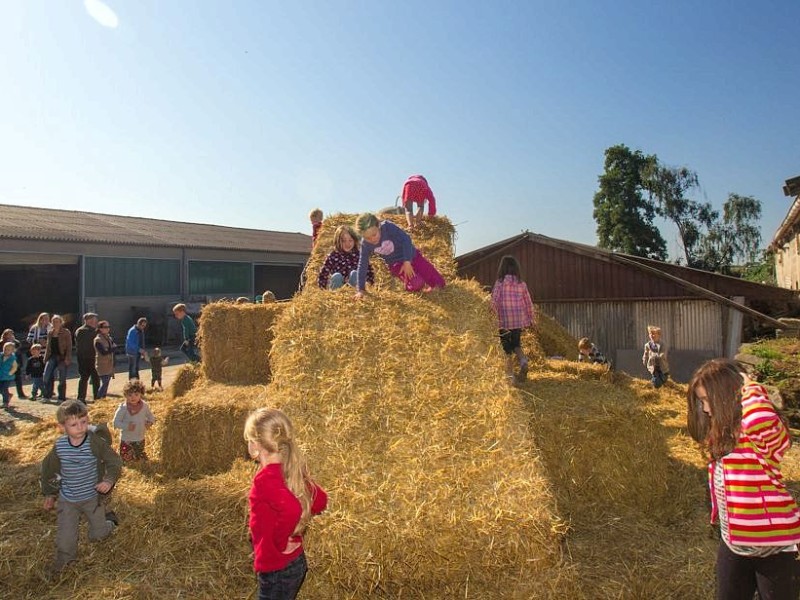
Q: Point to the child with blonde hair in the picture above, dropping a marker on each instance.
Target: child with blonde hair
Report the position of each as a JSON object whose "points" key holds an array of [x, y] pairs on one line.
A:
{"points": [[133, 418], [315, 216], [157, 363], [78, 472], [512, 303], [395, 247], [8, 369], [282, 501], [744, 439], [654, 357]]}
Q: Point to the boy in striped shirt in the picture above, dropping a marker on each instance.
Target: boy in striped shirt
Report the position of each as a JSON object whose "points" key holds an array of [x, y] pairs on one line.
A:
{"points": [[79, 470]]}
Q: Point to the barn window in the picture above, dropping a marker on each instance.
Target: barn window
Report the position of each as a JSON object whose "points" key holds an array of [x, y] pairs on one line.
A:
{"points": [[211, 277], [118, 276]]}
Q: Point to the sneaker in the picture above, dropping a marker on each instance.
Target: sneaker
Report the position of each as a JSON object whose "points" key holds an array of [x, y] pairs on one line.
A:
{"points": [[111, 517]]}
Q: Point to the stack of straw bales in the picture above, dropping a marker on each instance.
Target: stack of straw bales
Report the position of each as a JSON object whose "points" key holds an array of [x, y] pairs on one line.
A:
{"points": [[436, 485]]}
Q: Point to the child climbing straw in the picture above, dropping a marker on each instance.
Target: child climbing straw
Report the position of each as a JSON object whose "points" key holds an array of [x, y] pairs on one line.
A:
{"points": [[512, 303], [394, 246], [744, 439], [283, 499]]}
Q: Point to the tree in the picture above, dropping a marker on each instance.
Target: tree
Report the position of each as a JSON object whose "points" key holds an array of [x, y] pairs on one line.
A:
{"points": [[624, 216], [734, 238], [667, 187], [762, 270]]}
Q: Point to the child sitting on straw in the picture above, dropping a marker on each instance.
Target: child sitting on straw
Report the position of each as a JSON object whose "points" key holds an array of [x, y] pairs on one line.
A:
{"points": [[133, 417], [80, 468], [588, 352], [282, 500], [394, 246], [341, 264], [512, 303]]}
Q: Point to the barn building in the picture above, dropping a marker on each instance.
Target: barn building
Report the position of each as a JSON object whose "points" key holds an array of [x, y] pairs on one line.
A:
{"points": [[786, 242], [71, 262], [611, 298]]}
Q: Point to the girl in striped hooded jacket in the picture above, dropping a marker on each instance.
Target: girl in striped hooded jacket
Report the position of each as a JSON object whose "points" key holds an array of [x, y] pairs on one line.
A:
{"points": [[744, 438]]}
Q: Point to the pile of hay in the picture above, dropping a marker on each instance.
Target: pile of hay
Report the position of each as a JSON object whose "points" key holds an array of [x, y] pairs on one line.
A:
{"points": [[236, 339], [549, 339], [628, 480], [436, 485]]}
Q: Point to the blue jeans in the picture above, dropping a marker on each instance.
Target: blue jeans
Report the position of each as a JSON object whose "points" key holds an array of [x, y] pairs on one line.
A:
{"points": [[659, 378], [52, 367], [283, 584], [337, 280], [133, 365], [4, 385], [102, 391], [189, 348], [37, 386]]}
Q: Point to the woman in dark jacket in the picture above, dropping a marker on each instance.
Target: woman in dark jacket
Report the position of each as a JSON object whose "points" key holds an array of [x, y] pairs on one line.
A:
{"points": [[57, 358]]}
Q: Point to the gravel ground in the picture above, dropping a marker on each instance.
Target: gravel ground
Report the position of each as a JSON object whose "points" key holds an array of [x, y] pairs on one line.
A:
{"points": [[21, 410]]}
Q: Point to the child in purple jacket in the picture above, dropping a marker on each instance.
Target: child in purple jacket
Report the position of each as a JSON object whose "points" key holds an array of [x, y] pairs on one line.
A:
{"points": [[395, 247]]}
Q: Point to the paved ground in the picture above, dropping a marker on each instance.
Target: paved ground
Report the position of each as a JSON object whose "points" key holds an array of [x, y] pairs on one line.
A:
{"points": [[33, 411]]}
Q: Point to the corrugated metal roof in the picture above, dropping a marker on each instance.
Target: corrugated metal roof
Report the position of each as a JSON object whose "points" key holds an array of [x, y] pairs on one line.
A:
{"points": [[560, 270], [46, 224]]}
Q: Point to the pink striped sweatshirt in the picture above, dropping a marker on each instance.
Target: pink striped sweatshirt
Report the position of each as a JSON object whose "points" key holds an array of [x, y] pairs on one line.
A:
{"points": [[761, 512]]}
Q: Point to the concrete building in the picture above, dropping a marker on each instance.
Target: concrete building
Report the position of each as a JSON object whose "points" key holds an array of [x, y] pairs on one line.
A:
{"points": [[71, 262], [786, 241]]}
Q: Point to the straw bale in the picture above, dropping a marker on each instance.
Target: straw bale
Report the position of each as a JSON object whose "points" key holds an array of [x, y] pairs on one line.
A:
{"points": [[549, 338], [425, 450], [185, 379], [202, 431], [236, 339]]}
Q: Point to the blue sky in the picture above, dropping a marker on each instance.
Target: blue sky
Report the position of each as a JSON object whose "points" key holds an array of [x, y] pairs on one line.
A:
{"points": [[250, 113]]}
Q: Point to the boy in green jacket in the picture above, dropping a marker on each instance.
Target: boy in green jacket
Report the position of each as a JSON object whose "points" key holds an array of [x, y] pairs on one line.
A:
{"points": [[79, 470]]}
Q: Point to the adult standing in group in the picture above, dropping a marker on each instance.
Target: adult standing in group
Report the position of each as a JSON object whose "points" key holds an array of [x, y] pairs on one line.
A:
{"points": [[37, 334], [134, 347], [417, 191], [189, 331], [57, 358], [104, 357], [84, 343]]}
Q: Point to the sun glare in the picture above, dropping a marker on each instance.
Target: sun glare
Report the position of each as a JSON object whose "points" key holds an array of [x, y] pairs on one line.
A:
{"points": [[101, 13]]}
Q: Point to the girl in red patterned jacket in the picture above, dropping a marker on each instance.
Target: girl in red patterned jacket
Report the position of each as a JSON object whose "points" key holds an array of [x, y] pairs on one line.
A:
{"points": [[745, 439], [283, 499]]}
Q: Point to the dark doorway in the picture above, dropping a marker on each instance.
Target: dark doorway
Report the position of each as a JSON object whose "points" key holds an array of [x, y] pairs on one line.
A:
{"points": [[282, 281], [27, 290]]}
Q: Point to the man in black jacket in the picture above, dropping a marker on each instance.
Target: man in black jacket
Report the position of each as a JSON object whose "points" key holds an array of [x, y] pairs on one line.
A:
{"points": [[84, 343]]}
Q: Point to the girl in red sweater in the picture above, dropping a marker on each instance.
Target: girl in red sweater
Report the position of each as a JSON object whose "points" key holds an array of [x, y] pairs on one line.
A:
{"points": [[745, 439], [282, 501]]}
